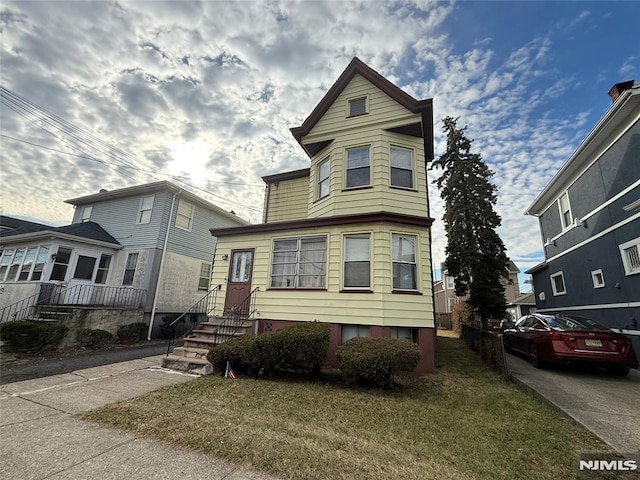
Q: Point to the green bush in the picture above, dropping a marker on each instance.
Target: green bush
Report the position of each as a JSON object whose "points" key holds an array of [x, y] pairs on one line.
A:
{"points": [[133, 332], [301, 347], [240, 352], [165, 329], [94, 338], [31, 336], [376, 360]]}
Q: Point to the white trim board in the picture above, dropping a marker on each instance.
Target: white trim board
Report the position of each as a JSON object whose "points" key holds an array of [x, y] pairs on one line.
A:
{"points": [[592, 307]]}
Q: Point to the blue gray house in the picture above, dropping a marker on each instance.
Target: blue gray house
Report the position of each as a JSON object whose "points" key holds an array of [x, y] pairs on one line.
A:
{"points": [[146, 246], [589, 217]]}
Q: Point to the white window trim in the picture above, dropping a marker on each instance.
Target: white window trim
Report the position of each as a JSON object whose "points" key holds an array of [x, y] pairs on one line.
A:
{"points": [[201, 277], [297, 274], [594, 278], [86, 213], [446, 283], [625, 260], [553, 284], [135, 269], [346, 166], [366, 106], [413, 167], [191, 217], [140, 210], [570, 223]]}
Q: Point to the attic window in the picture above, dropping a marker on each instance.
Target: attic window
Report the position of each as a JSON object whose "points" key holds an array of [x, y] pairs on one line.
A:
{"points": [[357, 106]]}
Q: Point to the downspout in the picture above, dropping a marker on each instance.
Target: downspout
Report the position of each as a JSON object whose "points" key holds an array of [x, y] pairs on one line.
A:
{"points": [[164, 252]]}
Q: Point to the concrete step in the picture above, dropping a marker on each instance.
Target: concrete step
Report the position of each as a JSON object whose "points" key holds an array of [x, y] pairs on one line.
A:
{"points": [[196, 366], [212, 324], [190, 352]]}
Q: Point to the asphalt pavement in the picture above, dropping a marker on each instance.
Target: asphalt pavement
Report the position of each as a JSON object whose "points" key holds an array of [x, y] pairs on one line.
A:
{"points": [[17, 369], [606, 404]]}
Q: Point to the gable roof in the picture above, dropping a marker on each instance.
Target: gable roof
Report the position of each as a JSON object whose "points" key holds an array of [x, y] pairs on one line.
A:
{"points": [[163, 185], [22, 230], [356, 66]]}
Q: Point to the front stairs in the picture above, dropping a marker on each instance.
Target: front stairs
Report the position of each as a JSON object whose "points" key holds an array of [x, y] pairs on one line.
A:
{"points": [[191, 354]]}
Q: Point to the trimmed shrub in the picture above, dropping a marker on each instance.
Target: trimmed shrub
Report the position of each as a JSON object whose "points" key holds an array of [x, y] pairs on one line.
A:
{"points": [[133, 332], [376, 360], [31, 336], [94, 338], [240, 352], [301, 347]]}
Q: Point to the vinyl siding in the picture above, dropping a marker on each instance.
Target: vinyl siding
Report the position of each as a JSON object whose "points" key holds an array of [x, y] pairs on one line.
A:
{"points": [[288, 200], [378, 308]]}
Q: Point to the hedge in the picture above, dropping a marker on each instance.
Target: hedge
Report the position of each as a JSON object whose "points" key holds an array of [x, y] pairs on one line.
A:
{"points": [[376, 360], [29, 336], [94, 338], [298, 348]]}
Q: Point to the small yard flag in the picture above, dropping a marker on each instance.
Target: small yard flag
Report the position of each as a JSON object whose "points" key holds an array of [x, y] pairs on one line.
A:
{"points": [[228, 372]]}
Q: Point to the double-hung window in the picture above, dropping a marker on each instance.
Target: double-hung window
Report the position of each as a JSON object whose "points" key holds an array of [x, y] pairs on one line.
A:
{"points": [[358, 167], [205, 274], [15, 265], [565, 210], [299, 263], [357, 262], [401, 160], [7, 256], [61, 263], [323, 178], [404, 262], [25, 270], [41, 259], [103, 268], [146, 207], [184, 216], [86, 213], [557, 284], [130, 269]]}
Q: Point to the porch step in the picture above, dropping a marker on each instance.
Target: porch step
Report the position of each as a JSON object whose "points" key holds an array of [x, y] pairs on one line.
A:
{"points": [[215, 322], [198, 366], [191, 352]]}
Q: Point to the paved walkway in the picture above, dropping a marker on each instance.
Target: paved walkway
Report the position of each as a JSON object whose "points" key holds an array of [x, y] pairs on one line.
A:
{"points": [[40, 439], [608, 405]]}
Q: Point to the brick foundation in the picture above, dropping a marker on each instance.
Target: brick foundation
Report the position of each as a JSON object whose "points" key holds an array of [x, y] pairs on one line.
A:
{"points": [[425, 340]]}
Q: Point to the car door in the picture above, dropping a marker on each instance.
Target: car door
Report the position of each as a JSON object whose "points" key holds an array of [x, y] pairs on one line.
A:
{"points": [[518, 340]]}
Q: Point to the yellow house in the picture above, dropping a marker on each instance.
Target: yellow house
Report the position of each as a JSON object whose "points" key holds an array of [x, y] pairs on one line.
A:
{"points": [[347, 240]]}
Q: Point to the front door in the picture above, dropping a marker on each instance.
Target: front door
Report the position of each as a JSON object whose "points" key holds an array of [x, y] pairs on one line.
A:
{"points": [[80, 286], [239, 280]]}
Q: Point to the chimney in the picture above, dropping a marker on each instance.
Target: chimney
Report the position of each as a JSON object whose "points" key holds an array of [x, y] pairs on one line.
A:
{"points": [[618, 88]]}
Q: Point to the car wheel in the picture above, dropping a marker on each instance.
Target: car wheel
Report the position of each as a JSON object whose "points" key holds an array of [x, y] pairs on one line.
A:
{"points": [[534, 356], [621, 371], [507, 344]]}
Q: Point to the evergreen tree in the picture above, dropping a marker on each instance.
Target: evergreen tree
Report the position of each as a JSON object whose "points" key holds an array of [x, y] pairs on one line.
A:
{"points": [[475, 254]]}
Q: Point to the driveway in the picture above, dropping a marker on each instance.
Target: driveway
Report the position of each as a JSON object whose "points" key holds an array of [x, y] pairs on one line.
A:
{"points": [[607, 405]]}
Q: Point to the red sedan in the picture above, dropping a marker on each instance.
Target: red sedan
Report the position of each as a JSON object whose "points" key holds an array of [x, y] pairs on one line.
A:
{"points": [[570, 339]]}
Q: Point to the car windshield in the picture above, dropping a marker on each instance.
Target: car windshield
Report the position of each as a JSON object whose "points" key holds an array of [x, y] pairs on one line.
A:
{"points": [[573, 322]]}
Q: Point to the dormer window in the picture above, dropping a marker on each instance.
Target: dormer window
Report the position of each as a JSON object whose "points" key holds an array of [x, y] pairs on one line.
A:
{"points": [[357, 106]]}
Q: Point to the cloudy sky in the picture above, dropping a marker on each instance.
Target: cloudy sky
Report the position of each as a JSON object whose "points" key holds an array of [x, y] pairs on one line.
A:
{"points": [[113, 94]]}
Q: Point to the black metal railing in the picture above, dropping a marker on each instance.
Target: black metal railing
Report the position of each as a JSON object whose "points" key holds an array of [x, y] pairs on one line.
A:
{"points": [[235, 319], [86, 295], [186, 322]]}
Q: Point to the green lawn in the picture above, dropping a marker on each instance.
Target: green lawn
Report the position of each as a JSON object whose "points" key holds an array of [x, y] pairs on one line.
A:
{"points": [[464, 421]]}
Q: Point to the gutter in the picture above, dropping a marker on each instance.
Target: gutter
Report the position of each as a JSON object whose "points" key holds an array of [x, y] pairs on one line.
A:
{"points": [[164, 252], [620, 103]]}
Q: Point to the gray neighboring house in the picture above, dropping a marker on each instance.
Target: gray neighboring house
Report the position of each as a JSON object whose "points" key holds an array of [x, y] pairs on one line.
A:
{"points": [[589, 217], [151, 241]]}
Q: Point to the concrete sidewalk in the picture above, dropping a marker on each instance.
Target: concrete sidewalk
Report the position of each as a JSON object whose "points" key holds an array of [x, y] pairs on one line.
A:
{"points": [[39, 437]]}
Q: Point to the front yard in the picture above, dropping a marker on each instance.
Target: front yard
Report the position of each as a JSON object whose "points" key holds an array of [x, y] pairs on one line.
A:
{"points": [[461, 422]]}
